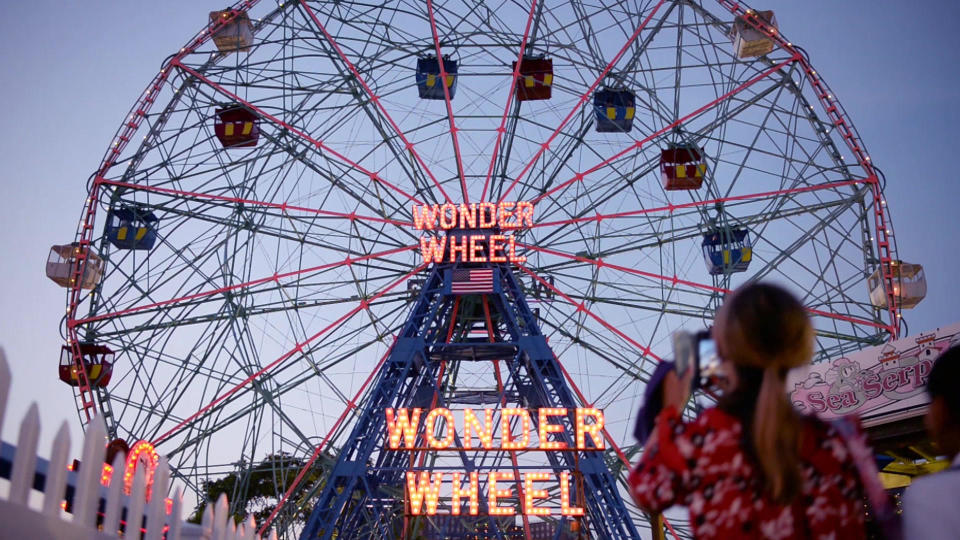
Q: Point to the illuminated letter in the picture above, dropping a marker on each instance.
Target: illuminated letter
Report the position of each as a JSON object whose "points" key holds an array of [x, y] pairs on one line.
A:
{"points": [[448, 216], [468, 216], [565, 507], [524, 214], [473, 492], [495, 493], [462, 249], [512, 251], [488, 215], [471, 424], [142, 454], [426, 217], [448, 426], [593, 429], [475, 246], [425, 489], [504, 214], [529, 494], [506, 433], [496, 246], [403, 426], [546, 428], [432, 251]]}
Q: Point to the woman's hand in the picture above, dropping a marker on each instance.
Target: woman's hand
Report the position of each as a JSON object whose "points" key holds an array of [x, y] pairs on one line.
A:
{"points": [[676, 390]]}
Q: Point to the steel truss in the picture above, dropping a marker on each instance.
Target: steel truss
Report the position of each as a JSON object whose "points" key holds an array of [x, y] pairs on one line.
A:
{"points": [[359, 498], [281, 271]]}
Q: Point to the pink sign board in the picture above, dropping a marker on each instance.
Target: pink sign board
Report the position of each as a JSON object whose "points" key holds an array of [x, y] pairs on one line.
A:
{"points": [[875, 383]]}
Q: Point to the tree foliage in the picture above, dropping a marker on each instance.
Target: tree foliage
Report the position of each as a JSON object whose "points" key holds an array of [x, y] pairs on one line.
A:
{"points": [[256, 491]]}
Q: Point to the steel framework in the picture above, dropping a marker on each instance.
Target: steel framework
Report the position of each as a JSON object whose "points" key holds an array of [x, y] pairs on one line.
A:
{"points": [[360, 492], [283, 269]]}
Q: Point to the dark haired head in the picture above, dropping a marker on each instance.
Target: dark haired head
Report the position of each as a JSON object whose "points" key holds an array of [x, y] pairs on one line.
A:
{"points": [[943, 381]]}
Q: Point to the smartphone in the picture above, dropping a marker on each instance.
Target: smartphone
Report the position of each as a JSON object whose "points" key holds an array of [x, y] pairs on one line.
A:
{"points": [[684, 352], [696, 351]]}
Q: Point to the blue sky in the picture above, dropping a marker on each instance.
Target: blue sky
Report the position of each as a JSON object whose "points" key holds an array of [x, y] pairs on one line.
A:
{"points": [[72, 70]]}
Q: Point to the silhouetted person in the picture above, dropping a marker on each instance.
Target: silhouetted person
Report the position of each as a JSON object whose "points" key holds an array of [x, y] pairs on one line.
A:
{"points": [[931, 505]]}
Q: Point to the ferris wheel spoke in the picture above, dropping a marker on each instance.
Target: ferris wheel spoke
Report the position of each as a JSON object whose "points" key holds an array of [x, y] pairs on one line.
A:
{"points": [[838, 291], [362, 305], [581, 307], [374, 177], [579, 177], [582, 100], [806, 235], [146, 377], [600, 345], [410, 147], [348, 82], [200, 431], [692, 231], [601, 194], [280, 390], [502, 129], [253, 283], [318, 449], [754, 143], [284, 207], [371, 199], [446, 97], [599, 262], [183, 319], [671, 208], [645, 299], [554, 165], [230, 289], [658, 217], [336, 349], [190, 265]]}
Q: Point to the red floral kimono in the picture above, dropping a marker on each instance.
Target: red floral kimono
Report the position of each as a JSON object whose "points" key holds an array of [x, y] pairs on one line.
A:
{"points": [[703, 466]]}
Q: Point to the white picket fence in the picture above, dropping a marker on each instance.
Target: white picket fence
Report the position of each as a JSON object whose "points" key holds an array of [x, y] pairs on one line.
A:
{"points": [[19, 520]]}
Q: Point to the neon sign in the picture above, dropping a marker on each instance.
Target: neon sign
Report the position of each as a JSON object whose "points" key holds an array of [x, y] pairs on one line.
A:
{"points": [[474, 245], [143, 454], [478, 433]]}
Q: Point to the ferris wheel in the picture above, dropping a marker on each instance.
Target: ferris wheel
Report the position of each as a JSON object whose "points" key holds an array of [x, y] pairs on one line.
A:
{"points": [[253, 242]]}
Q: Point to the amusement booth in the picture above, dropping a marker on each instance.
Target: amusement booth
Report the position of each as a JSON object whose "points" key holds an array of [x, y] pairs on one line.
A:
{"points": [[884, 386]]}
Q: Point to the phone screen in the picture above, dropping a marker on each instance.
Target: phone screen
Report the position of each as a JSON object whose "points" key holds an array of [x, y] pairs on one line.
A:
{"points": [[707, 352]]}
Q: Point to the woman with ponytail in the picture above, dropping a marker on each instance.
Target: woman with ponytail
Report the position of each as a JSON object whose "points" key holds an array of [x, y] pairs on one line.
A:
{"points": [[752, 467]]}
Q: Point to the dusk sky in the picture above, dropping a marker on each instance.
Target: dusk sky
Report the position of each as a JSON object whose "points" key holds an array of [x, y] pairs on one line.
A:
{"points": [[72, 70]]}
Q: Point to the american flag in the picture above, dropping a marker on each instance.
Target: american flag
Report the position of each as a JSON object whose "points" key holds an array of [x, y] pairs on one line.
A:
{"points": [[472, 281]]}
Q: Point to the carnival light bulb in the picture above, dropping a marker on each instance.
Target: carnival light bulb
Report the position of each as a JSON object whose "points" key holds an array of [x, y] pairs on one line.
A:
{"points": [[448, 426], [472, 492], [530, 493], [401, 424], [546, 428], [424, 490], [506, 434], [565, 508], [472, 424], [495, 493], [593, 429]]}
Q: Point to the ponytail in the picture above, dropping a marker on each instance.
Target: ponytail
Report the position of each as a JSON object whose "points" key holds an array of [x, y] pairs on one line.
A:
{"points": [[764, 331], [776, 433]]}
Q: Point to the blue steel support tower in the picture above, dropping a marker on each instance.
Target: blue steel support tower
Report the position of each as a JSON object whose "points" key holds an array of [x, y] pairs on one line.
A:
{"points": [[363, 494]]}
